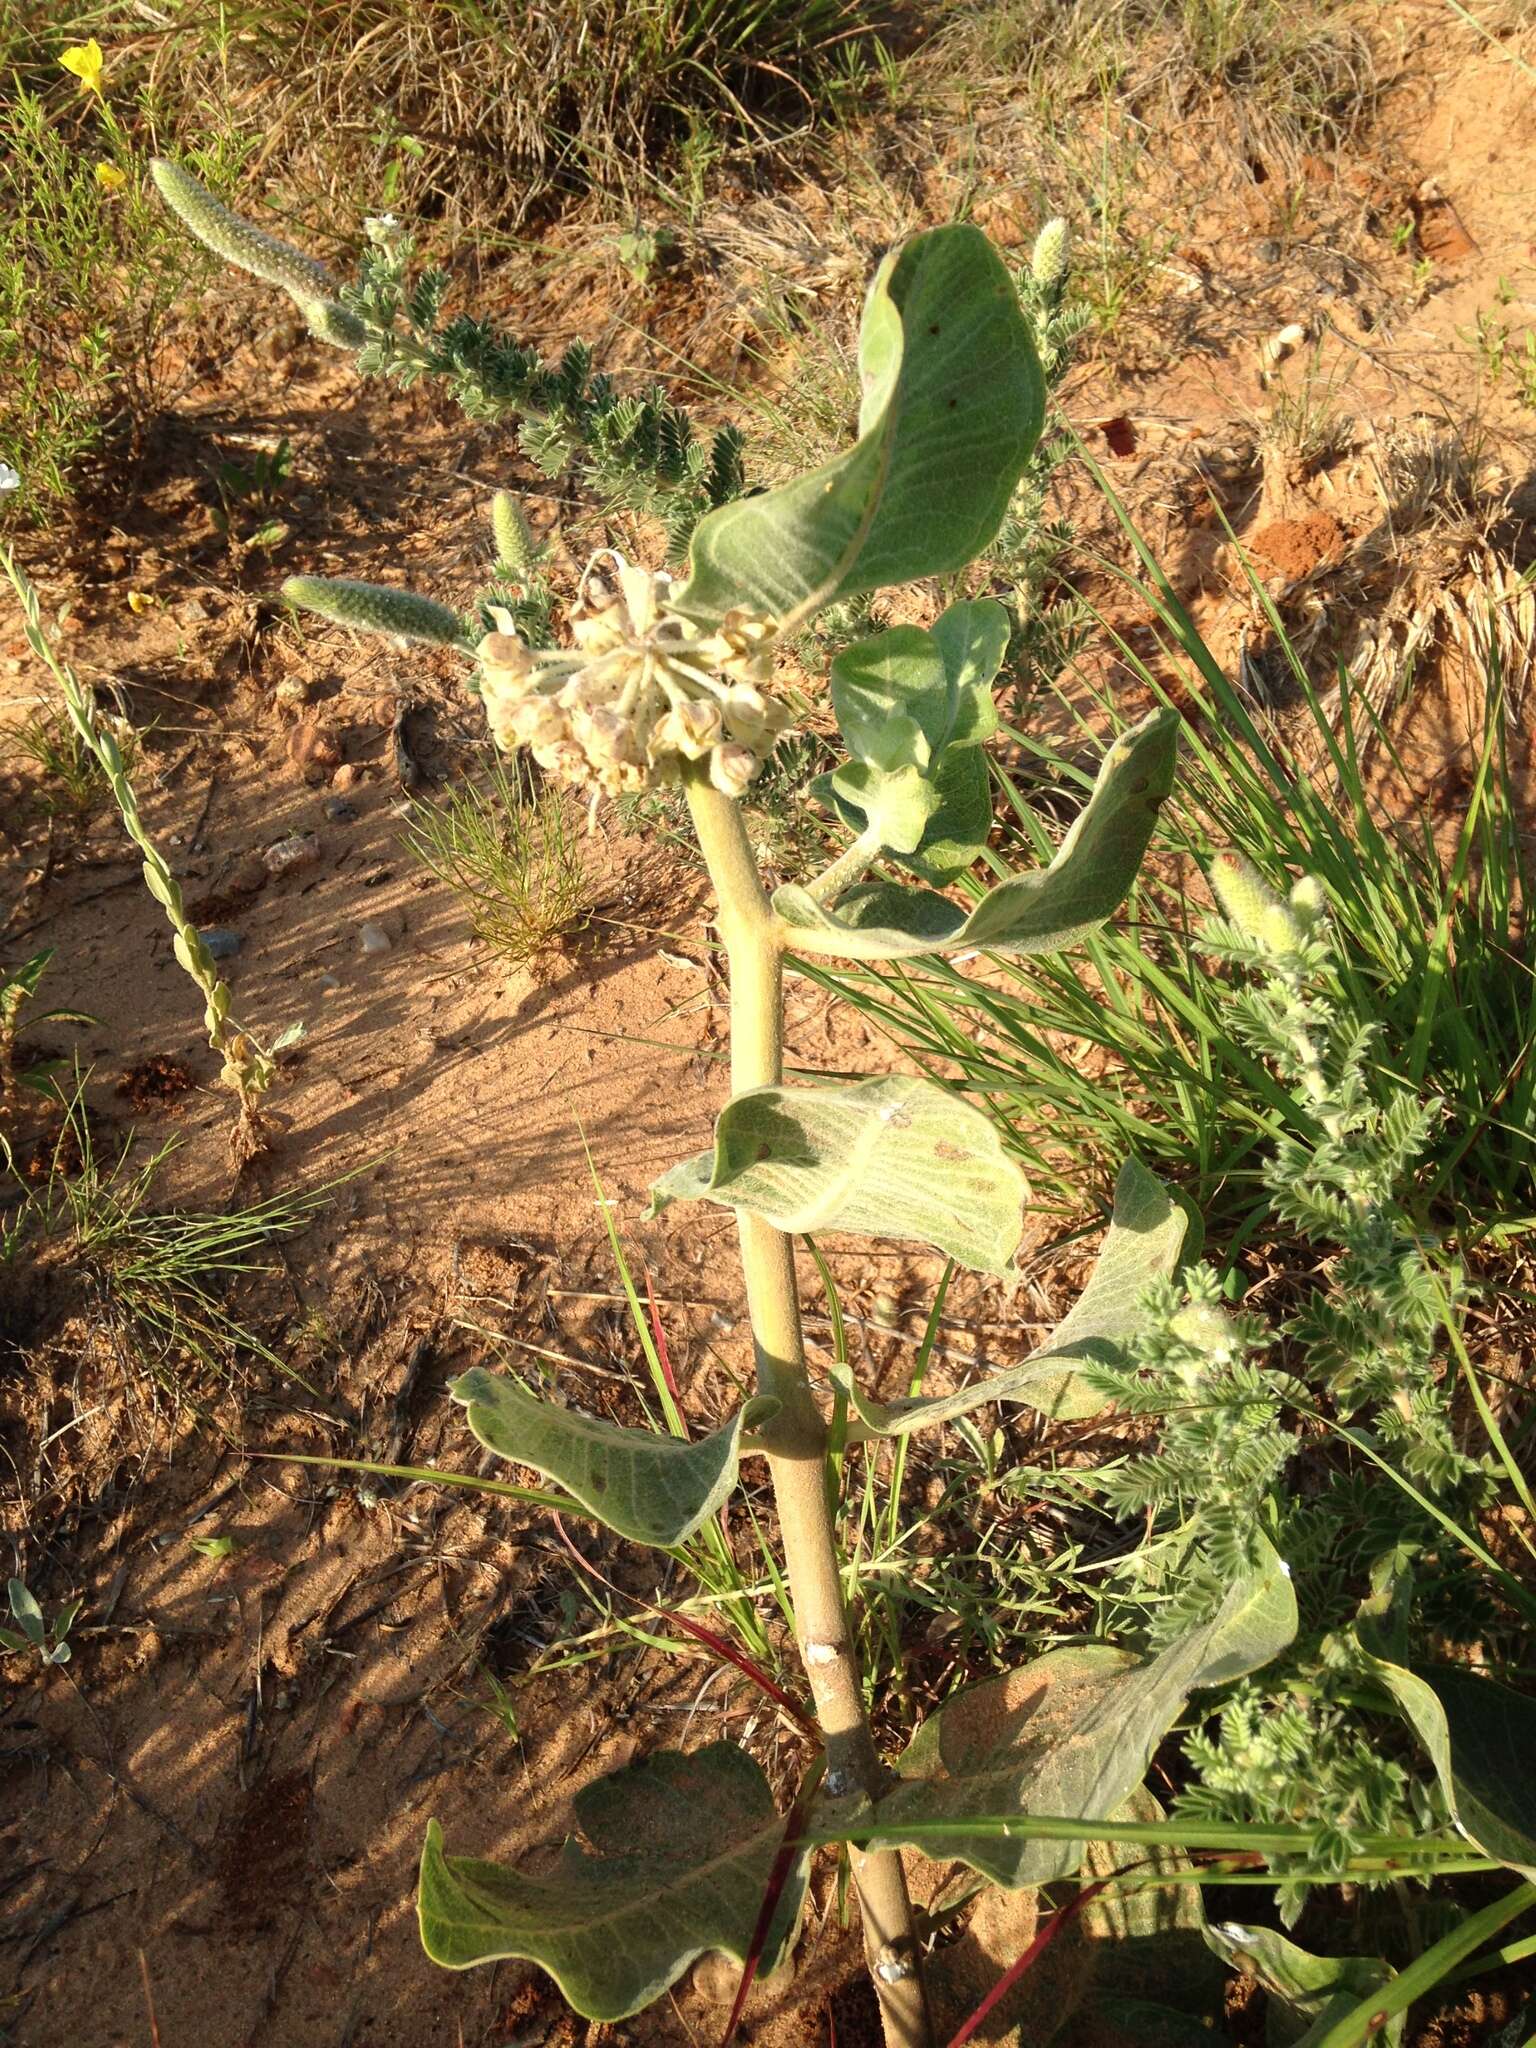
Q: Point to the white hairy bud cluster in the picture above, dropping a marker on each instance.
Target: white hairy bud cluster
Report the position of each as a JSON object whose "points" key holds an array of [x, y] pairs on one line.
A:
{"points": [[642, 693]]}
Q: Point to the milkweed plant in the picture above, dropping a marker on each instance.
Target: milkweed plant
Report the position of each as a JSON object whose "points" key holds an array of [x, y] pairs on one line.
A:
{"points": [[669, 678]]}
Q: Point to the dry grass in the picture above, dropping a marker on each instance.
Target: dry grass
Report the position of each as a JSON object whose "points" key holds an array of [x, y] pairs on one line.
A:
{"points": [[448, 109]]}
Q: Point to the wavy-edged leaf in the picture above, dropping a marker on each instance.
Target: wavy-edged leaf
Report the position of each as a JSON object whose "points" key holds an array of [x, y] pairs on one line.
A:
{"points": [[1307, 1993], [652, 1488], [893, 1157], [1481, 1739], [1142, 1244], [1035, 913], [953, 402], [1069, 1735], [683, 1848]]}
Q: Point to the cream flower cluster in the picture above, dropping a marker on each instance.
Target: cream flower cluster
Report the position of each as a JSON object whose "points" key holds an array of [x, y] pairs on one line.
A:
{"points": [[640, 694]]}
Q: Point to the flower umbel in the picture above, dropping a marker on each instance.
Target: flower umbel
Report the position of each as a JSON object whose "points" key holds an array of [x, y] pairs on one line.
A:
{"points": [[642, 692]]}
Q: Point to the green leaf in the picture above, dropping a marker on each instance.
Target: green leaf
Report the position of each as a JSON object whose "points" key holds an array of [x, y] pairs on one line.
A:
{"points": [[973, 638], [684, 1847], [894, 1157], [1141, 1245], [1036, 913], [1069, 1736], [652, 1488], [1481, 1739], [892, 698], [953, 402], [26, 1613], [1307, 1993], [914, 706], [955, 835], [897, 802]]}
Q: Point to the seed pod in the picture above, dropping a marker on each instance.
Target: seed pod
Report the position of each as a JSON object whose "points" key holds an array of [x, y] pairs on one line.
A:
{"points": [[238, 241], [516, 547], [1250, 903], [373, 609], [1051, 257], [1205, 1328], [329, 322]]}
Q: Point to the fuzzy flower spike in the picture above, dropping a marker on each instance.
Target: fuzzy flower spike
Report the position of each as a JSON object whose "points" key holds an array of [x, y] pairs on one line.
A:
{"points": [[642, 692]]}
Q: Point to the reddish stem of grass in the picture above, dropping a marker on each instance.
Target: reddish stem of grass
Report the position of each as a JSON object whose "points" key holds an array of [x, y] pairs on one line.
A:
{"points": [[726, 1651], [794, 1828], [662, 1353], [1045, 1934]]}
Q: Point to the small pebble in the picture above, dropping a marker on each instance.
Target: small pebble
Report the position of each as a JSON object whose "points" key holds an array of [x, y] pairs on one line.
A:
{"points": [[373, 939], [289, 856], [329, 984], [222, 943], [339, 810]]}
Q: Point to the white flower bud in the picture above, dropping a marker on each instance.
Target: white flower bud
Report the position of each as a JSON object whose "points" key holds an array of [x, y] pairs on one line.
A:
{"points": [[747, 715], [564, 760], [606, 736], [690, 729], [505, 659], [731, 768], [537, 722]]}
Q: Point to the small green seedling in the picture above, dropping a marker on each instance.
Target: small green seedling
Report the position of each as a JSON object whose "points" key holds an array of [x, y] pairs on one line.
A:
{"points": [[248, 496], [644, 251], [32, 1635], [18, 985]]}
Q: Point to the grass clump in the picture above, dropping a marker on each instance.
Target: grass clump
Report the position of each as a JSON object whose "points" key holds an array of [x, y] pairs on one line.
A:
{"points": [[511, 849], [461, 113], [70, 783], [1135, 1042], [155, 1280]]}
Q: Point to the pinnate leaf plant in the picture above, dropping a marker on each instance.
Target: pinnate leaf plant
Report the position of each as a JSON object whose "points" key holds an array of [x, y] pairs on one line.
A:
{"points": [[670, 680]]}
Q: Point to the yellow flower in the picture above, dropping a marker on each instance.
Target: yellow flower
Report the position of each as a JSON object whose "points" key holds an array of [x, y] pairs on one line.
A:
{"points": [[85, 61], [110, 178], [140, 601]]}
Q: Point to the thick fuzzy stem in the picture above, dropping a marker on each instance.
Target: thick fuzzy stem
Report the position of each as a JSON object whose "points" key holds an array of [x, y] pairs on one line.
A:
{"points": [[798, 1437]]}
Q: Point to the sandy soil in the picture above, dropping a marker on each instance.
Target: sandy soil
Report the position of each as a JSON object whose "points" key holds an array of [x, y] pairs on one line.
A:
{"points": [[213, 1817]]}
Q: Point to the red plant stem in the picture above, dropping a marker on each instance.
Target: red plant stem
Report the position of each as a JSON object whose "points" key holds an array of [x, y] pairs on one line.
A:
{"points": [[660, 1336], [723, 1649], [794, 1828], [1045, 1934]]}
